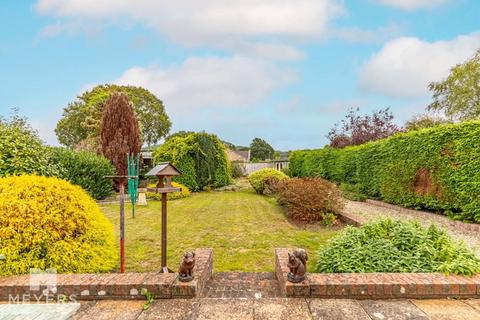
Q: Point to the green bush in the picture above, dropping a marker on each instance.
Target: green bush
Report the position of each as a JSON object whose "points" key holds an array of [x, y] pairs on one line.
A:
{"points": [[84, 169], [200, 157], [21, 150], [50, 223], [258, 178], [396, 246], [435, 169]]}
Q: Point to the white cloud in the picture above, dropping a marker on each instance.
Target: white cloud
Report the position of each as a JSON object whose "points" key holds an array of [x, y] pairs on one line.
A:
{"points": [[210, 82], [412, 4], [196, 22], [405, 66]]}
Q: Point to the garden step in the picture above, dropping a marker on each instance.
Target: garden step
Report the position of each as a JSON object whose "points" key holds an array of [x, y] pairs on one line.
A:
{"points": [[242, 285]]}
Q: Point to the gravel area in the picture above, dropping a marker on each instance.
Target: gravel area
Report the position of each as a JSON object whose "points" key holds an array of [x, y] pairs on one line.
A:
{"points": [[364, 212]]}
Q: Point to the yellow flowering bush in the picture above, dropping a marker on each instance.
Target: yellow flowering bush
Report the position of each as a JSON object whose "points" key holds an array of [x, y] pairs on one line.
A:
{"points": [[50, 223], [184, 192]]}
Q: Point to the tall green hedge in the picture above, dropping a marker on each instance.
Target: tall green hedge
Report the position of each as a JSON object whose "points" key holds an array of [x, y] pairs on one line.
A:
{"points": [[436, 169], [200, 157], [84, 169]]}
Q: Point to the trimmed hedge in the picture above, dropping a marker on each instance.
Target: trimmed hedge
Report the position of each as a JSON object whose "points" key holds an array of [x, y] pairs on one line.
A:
{"points": [[50, 223], [436, 169], [200, 157], [259, 178], [396, 246], [84, 169]]}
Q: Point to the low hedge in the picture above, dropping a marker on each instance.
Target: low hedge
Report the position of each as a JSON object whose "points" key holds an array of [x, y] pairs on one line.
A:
{"points": [[84, 169], [50, 223], [259, 178], [435, 169], [396, 246]]}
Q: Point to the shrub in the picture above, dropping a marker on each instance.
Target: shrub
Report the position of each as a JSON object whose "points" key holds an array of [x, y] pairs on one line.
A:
{"points": [[200, 157], [184, 192], [21, 150], [396, 246], [50, 223], [310, 200], [236, 170], [435, 169], [351, 192], [257, 178], [84, 169]]}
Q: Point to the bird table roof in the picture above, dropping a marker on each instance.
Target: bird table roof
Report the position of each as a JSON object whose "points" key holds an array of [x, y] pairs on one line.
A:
{"points": [[163, 169]]}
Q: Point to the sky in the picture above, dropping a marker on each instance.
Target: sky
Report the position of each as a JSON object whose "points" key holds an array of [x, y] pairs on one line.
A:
{"points": [[282, 70]]}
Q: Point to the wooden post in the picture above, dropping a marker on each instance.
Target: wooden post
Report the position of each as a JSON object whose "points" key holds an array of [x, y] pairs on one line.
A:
{"points": [[164, 233], [122, 228]]}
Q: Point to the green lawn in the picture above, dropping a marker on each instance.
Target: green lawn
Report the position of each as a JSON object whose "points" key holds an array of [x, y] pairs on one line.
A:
{"points": [[243, 229]]}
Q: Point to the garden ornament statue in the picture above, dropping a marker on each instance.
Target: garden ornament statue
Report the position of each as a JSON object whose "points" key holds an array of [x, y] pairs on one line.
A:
{"points": [[185, 273], [297, 263]]}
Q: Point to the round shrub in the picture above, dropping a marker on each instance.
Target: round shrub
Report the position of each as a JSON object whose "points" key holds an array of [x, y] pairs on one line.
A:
{"points": [[258, 178], [84, 169], [396, 246], [310, 200], [50, 223], [184, 192]]}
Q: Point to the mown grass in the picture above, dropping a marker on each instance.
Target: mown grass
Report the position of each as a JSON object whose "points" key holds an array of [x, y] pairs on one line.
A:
{"points": [[243, 229]]}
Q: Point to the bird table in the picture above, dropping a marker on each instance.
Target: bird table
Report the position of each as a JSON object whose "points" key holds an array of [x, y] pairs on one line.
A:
{"points": [[164, 173]]}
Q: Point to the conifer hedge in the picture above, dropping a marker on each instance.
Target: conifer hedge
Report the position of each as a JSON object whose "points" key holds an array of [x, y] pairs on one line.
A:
{"points": [[435, 169]]}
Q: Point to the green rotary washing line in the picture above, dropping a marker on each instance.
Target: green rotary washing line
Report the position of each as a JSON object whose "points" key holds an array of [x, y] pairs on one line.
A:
{"points": [[133, 167]]}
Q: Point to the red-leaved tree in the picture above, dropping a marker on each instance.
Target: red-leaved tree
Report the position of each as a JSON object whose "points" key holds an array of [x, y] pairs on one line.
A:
{"points": [[119, 133], [356, 129]]}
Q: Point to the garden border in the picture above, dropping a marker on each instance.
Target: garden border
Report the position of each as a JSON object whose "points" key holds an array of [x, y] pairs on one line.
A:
{"points": [[375, 285], [129, 286]]}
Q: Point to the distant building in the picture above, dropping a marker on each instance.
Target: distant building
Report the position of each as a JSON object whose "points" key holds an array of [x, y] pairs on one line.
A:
{"points": [[238, 156]]}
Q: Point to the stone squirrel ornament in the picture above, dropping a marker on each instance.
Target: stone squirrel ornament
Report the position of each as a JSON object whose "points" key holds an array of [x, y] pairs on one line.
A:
{"points": [[185, 272], [297, 263]]}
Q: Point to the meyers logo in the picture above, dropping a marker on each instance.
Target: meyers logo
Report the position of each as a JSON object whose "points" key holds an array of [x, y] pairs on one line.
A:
{"points": [[43, 288]]}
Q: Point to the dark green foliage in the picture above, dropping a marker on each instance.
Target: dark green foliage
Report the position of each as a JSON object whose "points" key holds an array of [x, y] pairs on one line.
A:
{"points": [[84, 169], [261, 150], [396, 246], [200, 157], [435, 169], [81, 119], [21, 150]]}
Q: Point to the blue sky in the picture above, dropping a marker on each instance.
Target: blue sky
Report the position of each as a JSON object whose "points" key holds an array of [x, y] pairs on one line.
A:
{"points": [[283, 70]]}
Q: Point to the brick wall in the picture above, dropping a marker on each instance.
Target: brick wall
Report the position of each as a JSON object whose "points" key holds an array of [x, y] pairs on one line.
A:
{"points": [[111, 285], [376, 285]]}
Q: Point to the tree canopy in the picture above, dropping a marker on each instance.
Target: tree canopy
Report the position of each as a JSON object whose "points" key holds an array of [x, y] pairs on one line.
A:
{"points": [[261, 150], [458, 96], [357, 129], [80, 122]]}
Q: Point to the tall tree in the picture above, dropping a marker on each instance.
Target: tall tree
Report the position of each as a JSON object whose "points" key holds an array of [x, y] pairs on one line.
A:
{"points": [[458, 96], [356, 129], [80, 123], [423, 121], [261, 150], [119, 132]]}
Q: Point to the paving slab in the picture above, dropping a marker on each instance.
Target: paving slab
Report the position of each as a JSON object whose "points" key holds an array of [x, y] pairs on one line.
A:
{"points": [[114, 310], [447, 309], [474, 303], [38, 311], [171, 309], [336, 309], [281, 308], [225, 309], [392, 310], [85, 307]]}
